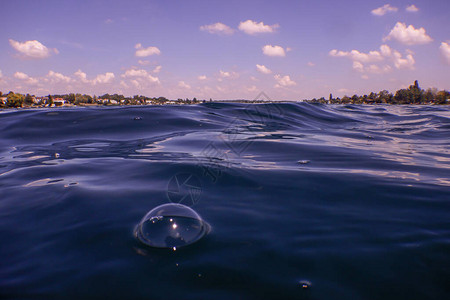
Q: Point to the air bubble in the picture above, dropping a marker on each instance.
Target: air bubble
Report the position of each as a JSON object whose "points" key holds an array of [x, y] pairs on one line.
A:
{"points": [[171, 226]]}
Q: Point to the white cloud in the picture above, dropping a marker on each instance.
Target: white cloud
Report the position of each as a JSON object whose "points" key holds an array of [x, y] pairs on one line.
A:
{"points": [[25, 77], [32, 49], [252, 89], [143, 62], [403, 63], [283, 81], [344, 90], [217, 28], [20, 75], [360, 59], [139, 74], [381, 11], [412, 8], [143, 52], [358, 66], [81, 75], [270, 50], [57, 77], [311, 64], [252, 27], [157, 69], [224, 74], [375, 69], [104, 78], [183, 85], [408, 35], [445, 51], [355, 55], [263, 69], [202, 77]]}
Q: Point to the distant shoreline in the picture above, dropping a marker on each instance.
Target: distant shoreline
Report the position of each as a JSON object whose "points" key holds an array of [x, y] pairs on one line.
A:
{"points": [[413, 95]]}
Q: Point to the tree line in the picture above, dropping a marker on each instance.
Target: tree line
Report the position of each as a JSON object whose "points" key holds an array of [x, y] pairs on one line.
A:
{"points": [[412, 95]]}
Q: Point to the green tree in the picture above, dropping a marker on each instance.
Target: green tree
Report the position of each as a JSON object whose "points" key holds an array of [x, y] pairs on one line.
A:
{"points": [[28, 99], [50, 100], [415, 93], [15, 100], [442, 96]]}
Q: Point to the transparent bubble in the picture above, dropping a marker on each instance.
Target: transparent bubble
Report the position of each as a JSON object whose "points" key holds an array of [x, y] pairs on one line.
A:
{"points": [[171, 226]]}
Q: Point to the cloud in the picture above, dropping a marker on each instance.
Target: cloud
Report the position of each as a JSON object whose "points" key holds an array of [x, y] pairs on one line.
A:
{"points": [[361, 59], [445, 51], [140, 74], [408, 35], [412, 8], [358, 66], [157, 69], [252, 27], [25, 77], [381, 11], [252, 88], [217, 28], [202, 77], [143, 62], [1, 74], [224, 74], [183, 85], [104, 78], [270, 50], [355, 55], [101, 78], [82, 76], [403, 63], [263, 69], [344, 90], [143, 52], [32, 49], [283, 81], [57, 77], [311, 64]]}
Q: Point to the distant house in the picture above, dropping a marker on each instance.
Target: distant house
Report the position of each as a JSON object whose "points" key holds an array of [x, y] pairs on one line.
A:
{"points": [[113, 102], [3, 100], [59, 101]]}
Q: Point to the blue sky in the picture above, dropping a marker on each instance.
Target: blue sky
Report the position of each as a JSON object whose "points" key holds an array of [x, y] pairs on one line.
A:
{"points": [[291, 50]]}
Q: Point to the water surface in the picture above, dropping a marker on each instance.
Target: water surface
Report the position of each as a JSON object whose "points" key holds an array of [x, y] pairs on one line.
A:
{"points": [[352, 199]]}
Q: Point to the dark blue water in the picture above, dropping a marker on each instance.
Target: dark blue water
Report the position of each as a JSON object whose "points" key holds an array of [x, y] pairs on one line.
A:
{"points": [[304, 201]]}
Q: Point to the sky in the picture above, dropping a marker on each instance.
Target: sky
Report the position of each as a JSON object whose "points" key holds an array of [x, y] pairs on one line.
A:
{"points": [[290, 50]]}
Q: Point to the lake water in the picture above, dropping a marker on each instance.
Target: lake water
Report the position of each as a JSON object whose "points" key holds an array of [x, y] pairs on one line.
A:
{"points": [[303, 201]]}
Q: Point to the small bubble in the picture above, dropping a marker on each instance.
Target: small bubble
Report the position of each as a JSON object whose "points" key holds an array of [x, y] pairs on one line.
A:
{"points": [[305, 284]]}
